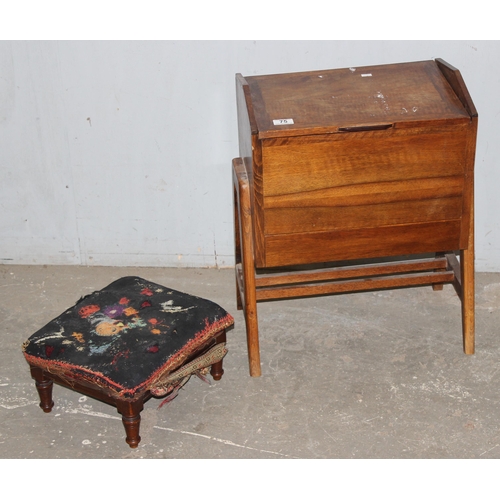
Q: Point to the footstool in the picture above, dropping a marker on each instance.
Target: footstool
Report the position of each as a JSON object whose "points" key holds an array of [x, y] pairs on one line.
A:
{"points": [[126, 343]]}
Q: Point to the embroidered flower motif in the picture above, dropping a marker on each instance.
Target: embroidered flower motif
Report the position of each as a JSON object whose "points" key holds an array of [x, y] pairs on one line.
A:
{"points": [[87, 311], [147, 292], [154, 322], [114, 311], [130, 311], [78, 336], [153, 348], [146, 303], [124, 301], [107, 329], [136, 323]]}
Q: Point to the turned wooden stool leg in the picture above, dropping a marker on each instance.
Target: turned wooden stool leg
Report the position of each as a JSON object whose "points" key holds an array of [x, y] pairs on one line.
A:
{"points": [[131, 418], [44, 387], [216, 369]]}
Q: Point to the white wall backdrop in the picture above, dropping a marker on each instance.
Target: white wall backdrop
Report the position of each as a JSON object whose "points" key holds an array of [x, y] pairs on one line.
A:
{"points": [[119, 153]]}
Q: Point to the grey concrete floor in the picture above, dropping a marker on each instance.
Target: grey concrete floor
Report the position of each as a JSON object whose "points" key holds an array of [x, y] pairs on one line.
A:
{"points": [[368, 375]]}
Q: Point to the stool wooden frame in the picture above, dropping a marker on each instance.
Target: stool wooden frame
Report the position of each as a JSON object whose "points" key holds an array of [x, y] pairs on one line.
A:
{"points": [[129, 407]]}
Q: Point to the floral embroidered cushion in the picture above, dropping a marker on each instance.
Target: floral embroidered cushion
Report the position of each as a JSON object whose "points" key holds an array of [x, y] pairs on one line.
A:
{"points": [[126, 336]]}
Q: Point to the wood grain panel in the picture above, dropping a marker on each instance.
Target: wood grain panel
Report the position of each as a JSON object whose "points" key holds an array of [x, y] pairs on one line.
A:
{"points": [[346, 159], [300, 220], [369, 194], [289, 249]]}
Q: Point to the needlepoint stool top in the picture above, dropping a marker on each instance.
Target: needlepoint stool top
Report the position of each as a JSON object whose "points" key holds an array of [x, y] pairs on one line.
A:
{"points": [[126, 336]]}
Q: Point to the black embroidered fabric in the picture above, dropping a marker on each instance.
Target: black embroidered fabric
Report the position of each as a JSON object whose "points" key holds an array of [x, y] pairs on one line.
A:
{"points": [[127, 335]]}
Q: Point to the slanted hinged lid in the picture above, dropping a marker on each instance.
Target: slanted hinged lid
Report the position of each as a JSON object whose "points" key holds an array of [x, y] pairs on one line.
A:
{"points": [[350, 99]]}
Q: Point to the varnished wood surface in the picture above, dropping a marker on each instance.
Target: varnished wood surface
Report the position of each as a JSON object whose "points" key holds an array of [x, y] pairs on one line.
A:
{"points": [[304, 164], [288, 250], [352, 278], [324, 101], [246, 255], [316, 186], [337, 218], [354, 271], [378, 162], [454, 78], [353, 285]]}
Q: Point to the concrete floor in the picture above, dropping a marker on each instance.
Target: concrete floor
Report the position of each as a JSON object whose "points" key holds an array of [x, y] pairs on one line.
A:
{"points": [[369, 375]]}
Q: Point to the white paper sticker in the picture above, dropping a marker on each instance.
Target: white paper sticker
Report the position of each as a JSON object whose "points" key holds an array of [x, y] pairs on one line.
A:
{"points": [[283, 121], [366, 74]]}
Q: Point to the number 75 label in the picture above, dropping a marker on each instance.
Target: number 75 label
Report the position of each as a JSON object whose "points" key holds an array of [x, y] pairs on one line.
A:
{"points": [[283, 121]]}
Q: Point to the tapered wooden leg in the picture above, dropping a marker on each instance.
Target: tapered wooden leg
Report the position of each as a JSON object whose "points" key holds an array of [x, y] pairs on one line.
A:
{"points": [[468, 287], [131, 418], [468, 302], [252, 325], [44, 387], [248, 265], [216, 369], [467, 253]]}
